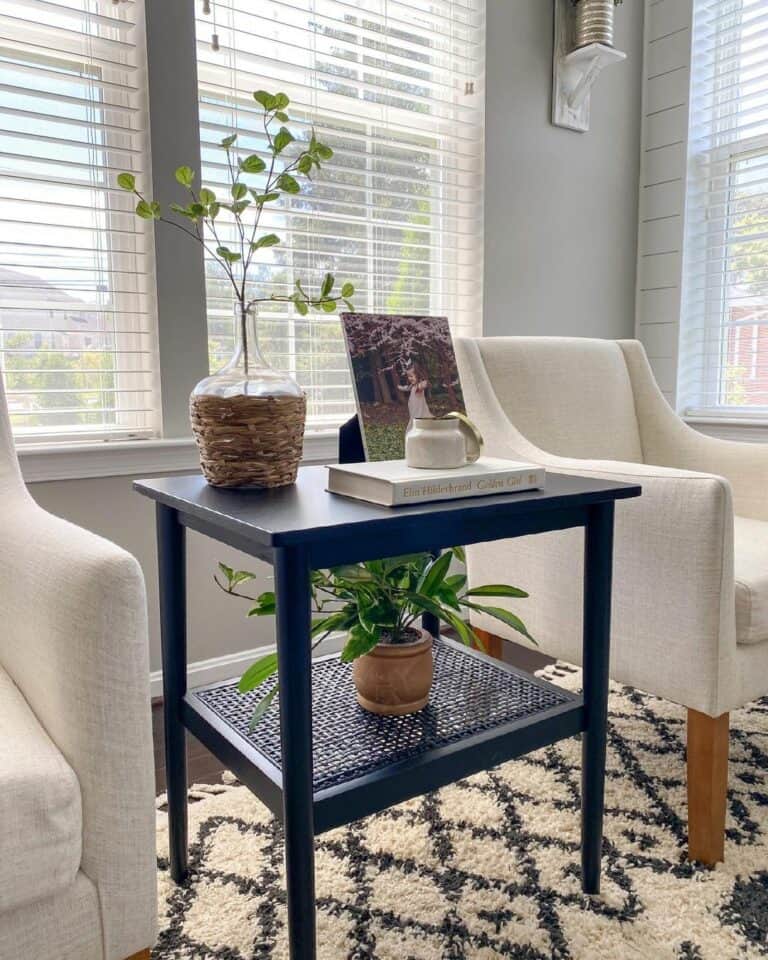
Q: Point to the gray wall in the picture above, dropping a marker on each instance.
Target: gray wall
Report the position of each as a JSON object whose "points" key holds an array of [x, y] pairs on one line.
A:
{"points": [[561, 207]]}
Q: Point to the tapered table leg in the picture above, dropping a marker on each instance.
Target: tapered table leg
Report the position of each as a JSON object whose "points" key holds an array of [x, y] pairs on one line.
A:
{"points": [[295, 676], [598, 565], [173, 633]]}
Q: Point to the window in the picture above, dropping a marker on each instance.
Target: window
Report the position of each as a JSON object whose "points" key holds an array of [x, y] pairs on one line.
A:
{"points": [[724, 336], [77, 335], [396, 89]]}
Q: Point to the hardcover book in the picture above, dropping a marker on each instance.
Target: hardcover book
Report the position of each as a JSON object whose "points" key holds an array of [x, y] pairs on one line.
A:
{"points": [[391, 483]]}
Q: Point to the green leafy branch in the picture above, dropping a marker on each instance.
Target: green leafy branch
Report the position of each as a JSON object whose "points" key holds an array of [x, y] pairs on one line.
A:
{"points": [[254, 184], [378, 601]]}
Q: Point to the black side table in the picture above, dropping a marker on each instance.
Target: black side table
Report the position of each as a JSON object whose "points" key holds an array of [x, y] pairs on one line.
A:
{"points": [[481, 713]]}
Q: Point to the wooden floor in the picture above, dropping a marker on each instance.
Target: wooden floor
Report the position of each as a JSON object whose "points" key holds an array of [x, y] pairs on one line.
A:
{"points": [[205, 768]]}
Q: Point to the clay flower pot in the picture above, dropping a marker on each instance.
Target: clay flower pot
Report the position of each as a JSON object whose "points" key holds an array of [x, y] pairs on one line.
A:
{"points": [[395, 679]]}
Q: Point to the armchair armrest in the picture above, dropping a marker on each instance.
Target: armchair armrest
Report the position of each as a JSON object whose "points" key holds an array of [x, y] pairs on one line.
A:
{"points": [[74, 641]]}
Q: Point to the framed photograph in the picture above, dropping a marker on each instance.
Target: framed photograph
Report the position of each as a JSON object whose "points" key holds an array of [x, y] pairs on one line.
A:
{"points": [[402, 367]]}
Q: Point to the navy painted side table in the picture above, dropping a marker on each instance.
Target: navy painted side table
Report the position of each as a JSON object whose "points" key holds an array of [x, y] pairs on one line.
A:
{"points": [[481, 713]]}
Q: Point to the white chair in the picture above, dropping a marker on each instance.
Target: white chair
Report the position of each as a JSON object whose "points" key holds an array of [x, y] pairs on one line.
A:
{"points": [[690, 610], [77, 836]]}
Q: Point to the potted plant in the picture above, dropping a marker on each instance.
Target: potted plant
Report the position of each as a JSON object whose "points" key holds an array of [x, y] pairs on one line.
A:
{"points": [[247, 418], [378, 604]]}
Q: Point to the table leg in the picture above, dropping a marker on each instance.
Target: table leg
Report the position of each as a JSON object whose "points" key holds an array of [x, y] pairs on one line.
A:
{"points": [[295, 676], [173, 632], [598, 564]]}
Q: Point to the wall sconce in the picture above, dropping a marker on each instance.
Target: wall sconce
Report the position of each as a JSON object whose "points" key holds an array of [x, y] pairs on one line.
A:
{"points": [[583, 47]]}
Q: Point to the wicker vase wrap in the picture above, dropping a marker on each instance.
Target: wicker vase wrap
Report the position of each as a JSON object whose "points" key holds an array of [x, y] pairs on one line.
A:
{"points": [[593, 22], [249, 441]]}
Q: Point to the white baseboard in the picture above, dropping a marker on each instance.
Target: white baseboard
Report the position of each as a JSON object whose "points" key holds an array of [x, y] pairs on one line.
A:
{"points": [[203, 672]]}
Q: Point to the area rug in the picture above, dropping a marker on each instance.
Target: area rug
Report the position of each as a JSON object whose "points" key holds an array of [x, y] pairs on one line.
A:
{"points": [[489, 867]]}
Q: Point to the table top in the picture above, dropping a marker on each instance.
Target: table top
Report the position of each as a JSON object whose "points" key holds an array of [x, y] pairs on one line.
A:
{"points": [[306, 513]]}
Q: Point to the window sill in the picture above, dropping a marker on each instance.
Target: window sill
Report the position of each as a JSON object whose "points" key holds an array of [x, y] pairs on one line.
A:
{"points": [[731, 428], [138, 457]]}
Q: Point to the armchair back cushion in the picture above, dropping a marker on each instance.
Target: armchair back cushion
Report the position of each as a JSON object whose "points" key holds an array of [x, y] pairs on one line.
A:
{"points": [[569, 396]]}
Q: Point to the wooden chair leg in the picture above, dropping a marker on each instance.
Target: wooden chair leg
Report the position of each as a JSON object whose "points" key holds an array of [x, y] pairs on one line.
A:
{"points": [[492, 645], [707, 786]]}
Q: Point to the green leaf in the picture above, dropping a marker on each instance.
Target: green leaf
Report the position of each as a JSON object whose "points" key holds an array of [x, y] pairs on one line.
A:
{"points": [[282, 117], [495, 590], [499, 613], [323, 151], [261, 707], [226, 254], [335, 621], [262, 198], [228, 141], [185, 176], [349, 305], [301, 306], [265, 99], [207, 196], [269, 240], [266, 605], [282, 138], [197, 210], [460, 555], [258, 672], [145, 210], [456, 581], [434, 574], [327, 286], [252, 164], [227, 571], [359, 642], [182, 211], [288, 183], [281, 101], [305, 164], [348, 290], [241, 576], [352, 572], [213, 210], [127, 181], [239, 190], [328, 306]]}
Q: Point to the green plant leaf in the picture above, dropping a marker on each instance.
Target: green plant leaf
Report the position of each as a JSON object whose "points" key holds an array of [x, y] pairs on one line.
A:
{"points": [[348, 290], [323, 151], [226, 254], [305, 164], [281, 101], [227, 571], [207, 196], [268, 240], [281, 116], [213, 210], [460, 555], [336, 621], [126, 181], [182, 211], [185, 176], [239, 190], [499, 613], [495, 590], [262, 706], [241, 576], [266, 605], [328, 306], [456, 581], [282, 138], [288, 183], [228, 141], [434, 574], [327, 286], [148, 210], [262, 198], [349, 305], [265, 99], [258, 672], [300, 305], [252, 164], [359, 642]]}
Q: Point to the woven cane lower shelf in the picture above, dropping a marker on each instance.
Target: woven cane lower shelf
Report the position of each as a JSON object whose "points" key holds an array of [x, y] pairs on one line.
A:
{"points": [[471, 695]]}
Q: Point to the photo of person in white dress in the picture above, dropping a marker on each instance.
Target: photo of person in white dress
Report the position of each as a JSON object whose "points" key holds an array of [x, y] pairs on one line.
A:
{"points": [[416, 388]]}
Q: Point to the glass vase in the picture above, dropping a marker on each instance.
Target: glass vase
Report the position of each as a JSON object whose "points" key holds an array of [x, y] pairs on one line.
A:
{"points": [[248, 418]]}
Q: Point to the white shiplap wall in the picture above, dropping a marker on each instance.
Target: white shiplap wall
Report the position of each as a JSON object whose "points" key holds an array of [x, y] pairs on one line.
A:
{"points": [[664, 146]]}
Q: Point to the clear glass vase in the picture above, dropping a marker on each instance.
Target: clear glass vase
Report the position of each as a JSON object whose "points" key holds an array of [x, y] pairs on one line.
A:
{"points": [[247, 374], [248, 418]]}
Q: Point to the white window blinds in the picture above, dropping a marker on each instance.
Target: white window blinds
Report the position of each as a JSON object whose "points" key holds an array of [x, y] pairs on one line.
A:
{"points": [[396, 89], [76, 309], [724, 335]]}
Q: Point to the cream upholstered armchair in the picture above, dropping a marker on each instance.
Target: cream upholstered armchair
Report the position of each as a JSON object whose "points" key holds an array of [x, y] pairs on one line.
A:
{"points": [[690, 610], [77, 839]]}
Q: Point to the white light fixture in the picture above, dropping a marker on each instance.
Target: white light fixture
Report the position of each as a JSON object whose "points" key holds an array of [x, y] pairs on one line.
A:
{"points": [[575, 68]]}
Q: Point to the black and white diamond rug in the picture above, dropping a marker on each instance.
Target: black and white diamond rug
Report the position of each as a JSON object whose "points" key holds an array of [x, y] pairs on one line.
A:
{"points": [[489, 867]]}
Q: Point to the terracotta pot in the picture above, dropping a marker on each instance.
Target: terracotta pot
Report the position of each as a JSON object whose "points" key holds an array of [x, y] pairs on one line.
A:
{"points": [[394, 679]]}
